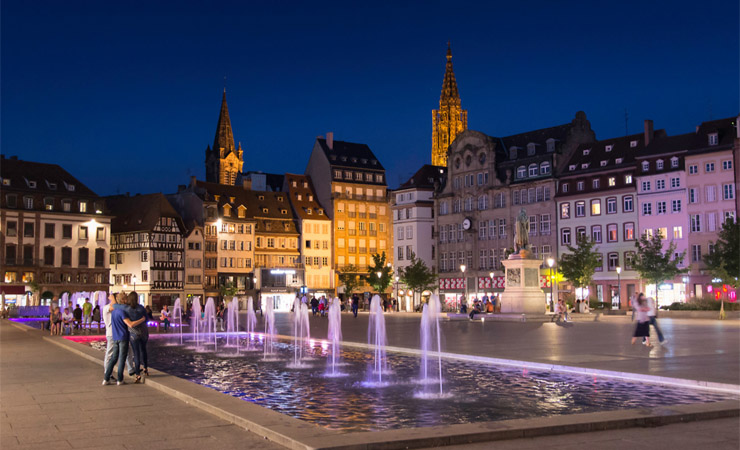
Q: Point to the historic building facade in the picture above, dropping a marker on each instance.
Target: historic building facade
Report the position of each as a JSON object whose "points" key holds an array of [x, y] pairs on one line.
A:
{"points": [[350, 184], [413, 224], [224, 162], [55, 233], [194, 251], [147, 248], [450, 119]]}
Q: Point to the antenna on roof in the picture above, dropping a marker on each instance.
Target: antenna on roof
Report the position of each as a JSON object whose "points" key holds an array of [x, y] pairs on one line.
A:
{"points": [[626, 122]]}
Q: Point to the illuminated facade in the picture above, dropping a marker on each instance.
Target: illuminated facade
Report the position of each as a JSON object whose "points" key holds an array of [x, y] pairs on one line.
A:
{"points": [[450, 119], [224, 161]]}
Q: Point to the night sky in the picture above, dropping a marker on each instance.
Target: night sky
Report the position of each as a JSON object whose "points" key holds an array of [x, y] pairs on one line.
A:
{"points": [[125, 95]]}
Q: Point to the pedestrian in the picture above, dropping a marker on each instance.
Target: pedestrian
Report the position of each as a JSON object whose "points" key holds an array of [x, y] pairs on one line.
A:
{"points": [[86, 314], [643, 321], [77, 313], [107, 320], [355, 304], [314, 305], [652, 317], [96, 316], [138, 335], [321, 306], [164, 314], [120, 324]]}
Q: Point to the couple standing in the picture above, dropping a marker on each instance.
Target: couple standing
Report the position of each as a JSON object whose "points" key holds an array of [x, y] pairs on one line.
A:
{"points": [[125, 323]]}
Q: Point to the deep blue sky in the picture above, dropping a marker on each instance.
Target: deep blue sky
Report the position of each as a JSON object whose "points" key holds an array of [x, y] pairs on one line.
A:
{"points": [[125, 95]]}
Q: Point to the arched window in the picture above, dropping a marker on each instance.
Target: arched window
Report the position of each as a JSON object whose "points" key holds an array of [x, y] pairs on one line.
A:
{"points": [[521, 172], [483, 202], [545, 168], [533, 170]]}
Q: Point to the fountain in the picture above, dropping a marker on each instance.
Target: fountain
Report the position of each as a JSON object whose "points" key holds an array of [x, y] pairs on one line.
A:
{"points": [[269, 328], [335, 335], [209, 324], [251, 321], [431, 340], [376, 338], [301, 331], [177, 315], [195, 319], [232, 324]]}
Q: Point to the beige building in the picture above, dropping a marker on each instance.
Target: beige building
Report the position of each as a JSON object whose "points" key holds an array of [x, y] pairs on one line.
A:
{"points": [[194, 255]]}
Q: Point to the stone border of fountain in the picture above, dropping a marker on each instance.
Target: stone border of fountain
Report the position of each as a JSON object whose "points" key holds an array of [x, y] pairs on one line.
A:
{"points": [[298, 434]]}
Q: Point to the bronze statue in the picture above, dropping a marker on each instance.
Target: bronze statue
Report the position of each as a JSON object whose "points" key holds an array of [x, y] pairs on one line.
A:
{"points": [[521, 231]]}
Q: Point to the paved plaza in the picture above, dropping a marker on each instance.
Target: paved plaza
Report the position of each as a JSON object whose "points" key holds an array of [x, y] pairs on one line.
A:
{"points": [[52, 398]]}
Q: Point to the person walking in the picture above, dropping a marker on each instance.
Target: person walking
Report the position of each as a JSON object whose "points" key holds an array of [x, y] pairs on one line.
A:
{"points": [[642, 330], [107, 321], [355, 304], [96, 316], [652, 317], [138, 335], [120, 324], [87, 314]]}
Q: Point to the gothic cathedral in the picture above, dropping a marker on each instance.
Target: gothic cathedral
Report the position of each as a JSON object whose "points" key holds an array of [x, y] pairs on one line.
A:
{"points": [[224, 161], [450, 119]]}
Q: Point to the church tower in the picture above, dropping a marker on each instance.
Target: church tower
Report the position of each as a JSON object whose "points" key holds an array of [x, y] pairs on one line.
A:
{"points": [[224, 161], [450, 119]]}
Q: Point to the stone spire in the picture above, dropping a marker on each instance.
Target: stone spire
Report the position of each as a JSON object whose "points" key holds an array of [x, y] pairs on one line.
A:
{"points": [[450, 119], [224, 140]]}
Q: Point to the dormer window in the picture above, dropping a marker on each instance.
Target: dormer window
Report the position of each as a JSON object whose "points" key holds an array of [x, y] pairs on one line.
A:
{"points": [[521, 172], [633, 144], [713, 139], [343, 158], [338, 174], [227, 211], [354, 160], [550, 145], [30, 183], [584, 166], [216, 197], [659, 164], [6, 181], [299, 197], [645, 166], [261, 197], [333, 157], [308, 211], [284, 211], [608, 148], [320, 212], [512, 152], [280, 199], [70, 187], [374, 162], [618, 160], [572, 167], [305, 185], [674, 162], [603, 163], [531, 148], [52, 186], [231, 199], [264, 210], [586, 152], [310, 198], [378, 178]]}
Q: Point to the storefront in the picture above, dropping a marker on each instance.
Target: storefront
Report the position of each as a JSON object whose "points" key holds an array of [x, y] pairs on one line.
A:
{"points": [[451, 292], [667, 293], [14, 295], [280, 298]]}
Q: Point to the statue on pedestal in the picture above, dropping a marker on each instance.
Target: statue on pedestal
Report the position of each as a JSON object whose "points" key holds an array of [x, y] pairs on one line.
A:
{"points": [[521, 232]]}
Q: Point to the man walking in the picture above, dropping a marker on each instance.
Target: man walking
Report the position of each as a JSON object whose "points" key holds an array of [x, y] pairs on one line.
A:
{"points": [[87, 314], [107, 320], [355, 304], [119, 324]]}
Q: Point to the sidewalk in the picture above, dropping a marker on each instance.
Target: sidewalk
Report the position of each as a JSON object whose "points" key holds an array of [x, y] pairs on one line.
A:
{"points": [[50, 398]]}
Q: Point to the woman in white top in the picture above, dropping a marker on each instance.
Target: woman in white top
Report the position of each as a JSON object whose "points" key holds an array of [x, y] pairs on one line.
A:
{"points": [[642, 330]]}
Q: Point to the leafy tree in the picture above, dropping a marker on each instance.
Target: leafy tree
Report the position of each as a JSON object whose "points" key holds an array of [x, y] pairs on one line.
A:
{"points": [[579, 265], [724, 261], [654, 265], [348, 279], [386, 273], [228, 290], [417, 276], [35, 288]]}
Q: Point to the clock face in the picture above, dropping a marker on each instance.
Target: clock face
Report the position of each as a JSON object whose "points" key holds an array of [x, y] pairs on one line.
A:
{"points": [[466, 224]]}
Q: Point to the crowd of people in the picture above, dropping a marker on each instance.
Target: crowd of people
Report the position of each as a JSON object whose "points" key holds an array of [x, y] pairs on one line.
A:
{"points": [[71, 320]]}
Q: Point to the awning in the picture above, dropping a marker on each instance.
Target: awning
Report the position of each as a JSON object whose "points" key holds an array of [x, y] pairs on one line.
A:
{"points": [[13, 290]]}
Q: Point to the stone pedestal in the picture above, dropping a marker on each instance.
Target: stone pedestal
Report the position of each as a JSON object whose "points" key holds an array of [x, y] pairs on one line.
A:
{"points": [[522, 293]]}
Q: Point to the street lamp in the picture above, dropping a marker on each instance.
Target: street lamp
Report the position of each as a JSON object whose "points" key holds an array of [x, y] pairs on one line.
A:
{"points": [[465, 280], [619, 287], [397, 296], [379, 274], [550, 263]]}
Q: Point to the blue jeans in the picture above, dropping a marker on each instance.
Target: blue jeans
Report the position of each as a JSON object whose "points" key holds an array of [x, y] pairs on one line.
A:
{"points": [[654, 323], [120, 352], [140, 355], [354, 309]]}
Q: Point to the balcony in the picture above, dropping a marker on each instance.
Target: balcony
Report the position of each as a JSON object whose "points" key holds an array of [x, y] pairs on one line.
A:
{"points": [[363, 215], [373, 233], [373, 216], [351, 214], [363, 232], [352, 232], [352, 249], [167, 265], [373, 250], [167, 285], [363, 249]]}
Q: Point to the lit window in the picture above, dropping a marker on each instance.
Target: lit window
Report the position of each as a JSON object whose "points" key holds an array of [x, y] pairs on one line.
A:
{"points": [[612, 181]]}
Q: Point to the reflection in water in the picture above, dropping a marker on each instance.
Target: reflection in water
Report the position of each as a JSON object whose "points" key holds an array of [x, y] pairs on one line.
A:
{"points": [[479, 392]]}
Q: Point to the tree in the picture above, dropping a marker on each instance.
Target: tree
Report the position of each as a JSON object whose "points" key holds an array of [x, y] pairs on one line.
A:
{"points": [[228, 289], [35, 287], [579, 265], [723, 261], [348, 279], [386, 273], [417, 276], [654, 265]]}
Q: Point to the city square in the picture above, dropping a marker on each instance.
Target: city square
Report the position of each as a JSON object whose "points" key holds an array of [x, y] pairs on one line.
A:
{"points": [[557, 267]]}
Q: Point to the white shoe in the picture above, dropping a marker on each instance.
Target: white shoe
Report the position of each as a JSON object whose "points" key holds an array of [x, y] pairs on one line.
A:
{"points": [[118, 383], [665, 341], [106, 382]]}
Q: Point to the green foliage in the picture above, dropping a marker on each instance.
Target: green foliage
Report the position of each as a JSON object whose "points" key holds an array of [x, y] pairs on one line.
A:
{"points": [[349, 279], [34, 286], [228, 290], [724, 261], [701, 304], [386, 273], [579, 265], [654, 265], [417, 276]]}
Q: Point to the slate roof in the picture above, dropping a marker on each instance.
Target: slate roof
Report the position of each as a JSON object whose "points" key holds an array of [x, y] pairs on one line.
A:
{"points": [[350, 155], [139, 212], [304, 205], [45, 176], [592, 154], [425, 177]]}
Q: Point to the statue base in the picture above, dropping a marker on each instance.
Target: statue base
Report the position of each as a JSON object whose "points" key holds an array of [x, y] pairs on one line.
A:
{"points": [[522, 293]]}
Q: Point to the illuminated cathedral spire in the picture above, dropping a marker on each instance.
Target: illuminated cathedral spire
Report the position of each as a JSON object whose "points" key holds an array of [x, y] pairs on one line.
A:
{"points": [[450, 119]]}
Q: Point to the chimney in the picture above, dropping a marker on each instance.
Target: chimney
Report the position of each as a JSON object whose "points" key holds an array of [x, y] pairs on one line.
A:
{"points": [[330, 140], [247, 184], [192, 181], [649, 133]]}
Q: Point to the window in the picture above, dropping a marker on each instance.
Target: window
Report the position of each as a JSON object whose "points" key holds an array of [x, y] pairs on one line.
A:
{"points": [[645, 166], [675, 182], [595, 183], [533, 225], [677, 232], [710, 193], [728, 191], [49, 256], [482, 230], [659, 164], [66, 231], [692, 195], [533, 170], [727, 165], [709, 167], [483, 202], [674, 162], [581, 232], [629, 231], [596, 233], [599, 263], [580, 185], [49, 204], [661, 207], [502, 228], [83, 207], [695, 221], [645, 186], [611, 232], [545, 168], [713, 139], [596, 207], [611, 205], [11, 228], [647, 209], [695, 253], [580, 209], [565, 187], [659, 185], [28, 202], [83, 233], [100, 234], [628, 179], [693, 169], [675, 206], [28, 230], [521, 172], [612, 181], [49, 230], [66, 256], [613, 261], [545, 224], [565, 236]]}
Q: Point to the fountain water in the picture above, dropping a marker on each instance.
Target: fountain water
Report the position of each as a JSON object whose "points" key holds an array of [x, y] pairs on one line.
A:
{"points": [[335, 335], [196, 319], [177, 316], [431, 340], [209, 324], [251, 320], [232, 324], [376, 337], [301, 331], [269, 327]]}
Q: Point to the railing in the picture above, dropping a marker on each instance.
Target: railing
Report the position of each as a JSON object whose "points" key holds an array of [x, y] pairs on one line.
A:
{"points": [[352, 214], [363, 232], [167, 284], [373, 250], [373, 216], [363, 249], [352, 232], [167, 265], [352, 249], [363, 215], [373, 232]]}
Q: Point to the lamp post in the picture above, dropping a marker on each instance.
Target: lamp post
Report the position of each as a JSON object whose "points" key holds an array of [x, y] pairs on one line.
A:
{"points": [[379, 274], [550, 263], [398, 299], [465, 280], [619, 288], [133, 279]]}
